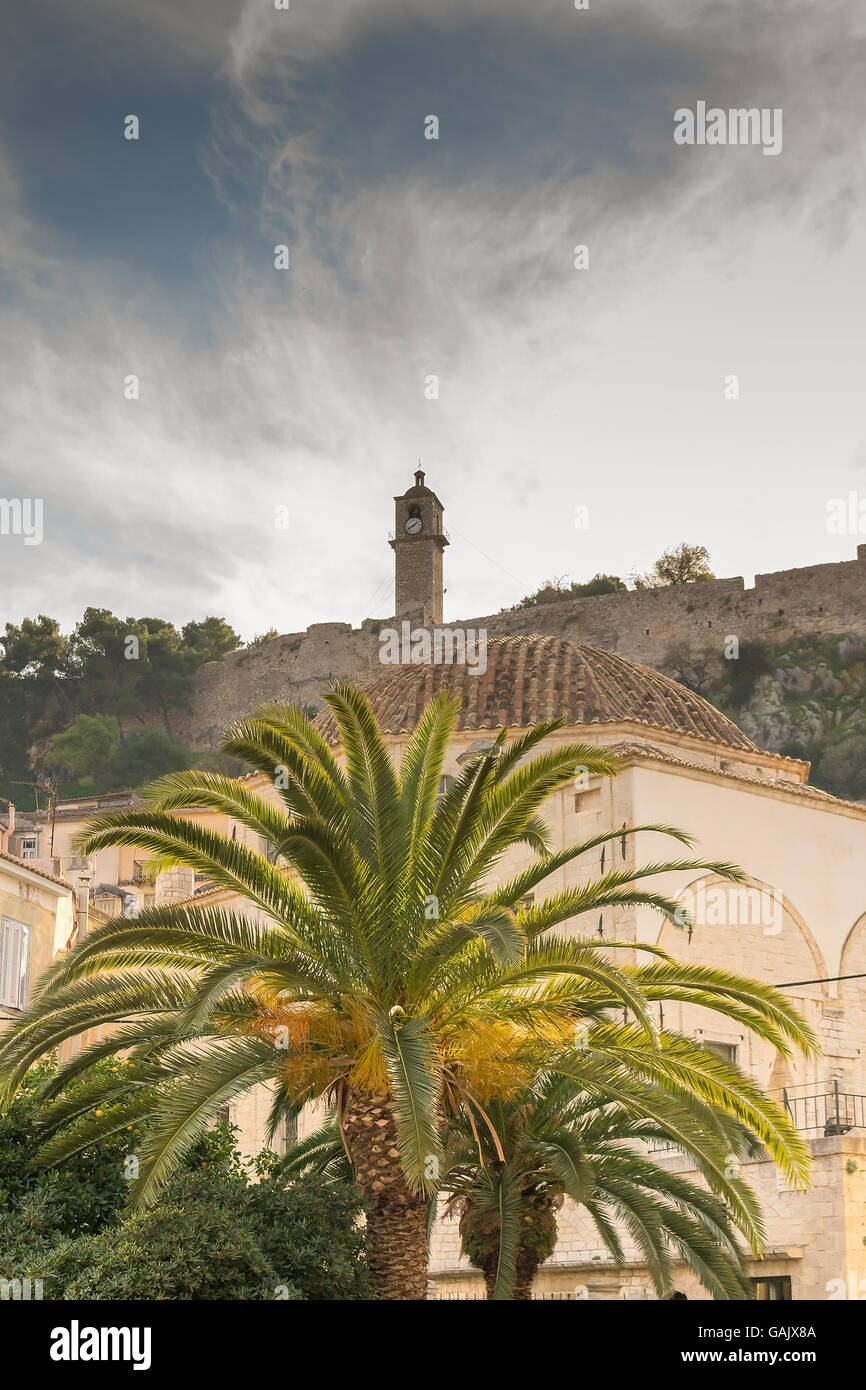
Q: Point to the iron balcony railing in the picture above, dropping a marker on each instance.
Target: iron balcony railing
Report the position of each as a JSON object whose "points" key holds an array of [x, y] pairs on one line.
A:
{"points": [[823, 1110], [829, 1111]]}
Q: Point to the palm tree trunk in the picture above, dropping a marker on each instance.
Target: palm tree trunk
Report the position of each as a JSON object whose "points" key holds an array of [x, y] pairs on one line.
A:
{"points": [[396, 1240], [536, 1245], [479, 1234], [527, 1265]]}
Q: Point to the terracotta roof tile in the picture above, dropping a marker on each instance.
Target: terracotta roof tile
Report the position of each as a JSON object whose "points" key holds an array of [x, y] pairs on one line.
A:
{"points": [[29, 864], [533, 678]]}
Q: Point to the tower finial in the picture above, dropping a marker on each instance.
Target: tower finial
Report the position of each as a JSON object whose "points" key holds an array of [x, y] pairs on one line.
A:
{"points": [[419, 475]]}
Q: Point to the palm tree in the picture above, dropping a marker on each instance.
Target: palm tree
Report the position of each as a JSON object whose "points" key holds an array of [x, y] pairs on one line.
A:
{"points": [[554, 1140], [370, 962]]}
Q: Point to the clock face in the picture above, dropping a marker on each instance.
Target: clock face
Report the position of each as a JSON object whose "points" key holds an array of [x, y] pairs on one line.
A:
{"points": [[413, 525]]}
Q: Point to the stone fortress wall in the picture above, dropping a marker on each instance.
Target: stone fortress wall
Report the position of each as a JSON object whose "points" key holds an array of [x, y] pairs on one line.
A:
{"points": [[643, 625]]}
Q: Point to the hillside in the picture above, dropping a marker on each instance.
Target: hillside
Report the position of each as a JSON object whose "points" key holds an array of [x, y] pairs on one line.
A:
{"points": [[805, 698]]}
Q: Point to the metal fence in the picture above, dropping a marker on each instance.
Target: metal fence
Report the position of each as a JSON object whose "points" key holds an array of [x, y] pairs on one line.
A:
{"points": [[827, 1111], [476, 1297], [823, 1110]]}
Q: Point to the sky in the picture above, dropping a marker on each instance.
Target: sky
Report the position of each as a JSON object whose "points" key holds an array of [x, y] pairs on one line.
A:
{"points": [[278, 411]]}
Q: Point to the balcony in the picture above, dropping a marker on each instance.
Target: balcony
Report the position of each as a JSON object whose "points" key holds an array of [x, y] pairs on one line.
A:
{"points": [[824, 1110]]}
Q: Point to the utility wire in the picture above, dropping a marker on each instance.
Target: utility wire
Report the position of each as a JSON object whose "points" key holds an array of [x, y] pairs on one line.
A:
{"points": [[827, 980], [487, 557]]}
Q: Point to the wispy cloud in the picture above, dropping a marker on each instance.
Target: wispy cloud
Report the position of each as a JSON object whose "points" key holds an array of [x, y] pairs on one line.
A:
{"points": [[414, 258]]}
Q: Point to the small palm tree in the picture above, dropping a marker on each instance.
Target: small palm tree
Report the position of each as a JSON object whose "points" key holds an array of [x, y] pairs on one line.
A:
{"points": [[554, 1140], [369, 962]]}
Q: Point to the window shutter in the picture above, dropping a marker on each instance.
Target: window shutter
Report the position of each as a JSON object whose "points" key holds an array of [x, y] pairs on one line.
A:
{"points": [[24, 971], [14, 963], [9, 961]]}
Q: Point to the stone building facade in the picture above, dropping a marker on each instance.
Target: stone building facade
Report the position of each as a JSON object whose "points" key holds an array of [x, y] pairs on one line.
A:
{"points": [[37, 920], [798, 922]]}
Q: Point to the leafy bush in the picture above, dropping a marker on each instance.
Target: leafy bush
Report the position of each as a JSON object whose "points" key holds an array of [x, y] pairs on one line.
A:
{"points": [[85, 1191], [30, 1236], [743, 674], [86, 748], [554, 590], [214, 1236], [143, 758], [91, 752]]}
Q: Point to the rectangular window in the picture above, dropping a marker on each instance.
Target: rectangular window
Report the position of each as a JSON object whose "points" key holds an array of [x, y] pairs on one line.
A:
{"points": [[28, 848], [773, 1290], [14, 963], [727, 1051]]}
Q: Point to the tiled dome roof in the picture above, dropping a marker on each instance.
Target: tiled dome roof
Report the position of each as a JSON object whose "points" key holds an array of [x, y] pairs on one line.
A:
{"points": [[533, 678]]}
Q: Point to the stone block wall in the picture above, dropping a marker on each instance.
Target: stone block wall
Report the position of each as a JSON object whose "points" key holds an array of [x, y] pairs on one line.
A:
{"points": [[174, 885], [643, 624]]}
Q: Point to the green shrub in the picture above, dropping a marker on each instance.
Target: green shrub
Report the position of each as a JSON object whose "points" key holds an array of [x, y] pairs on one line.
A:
{"points": [[86, 1191], [213, 1236], [743, 674], [556, 589], [30, 1237]]}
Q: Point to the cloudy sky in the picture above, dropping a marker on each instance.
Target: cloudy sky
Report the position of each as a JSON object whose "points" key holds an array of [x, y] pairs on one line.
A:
{"points": [[304, 389]]}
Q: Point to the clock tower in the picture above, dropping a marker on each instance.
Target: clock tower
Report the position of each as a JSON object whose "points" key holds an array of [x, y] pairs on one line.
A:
{"points": [[418, 542]]}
